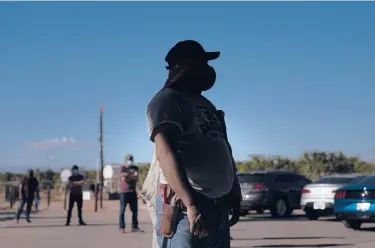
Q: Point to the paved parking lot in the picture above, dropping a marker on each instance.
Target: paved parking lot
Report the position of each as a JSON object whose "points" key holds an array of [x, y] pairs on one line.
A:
{"points": [[47, 231]]}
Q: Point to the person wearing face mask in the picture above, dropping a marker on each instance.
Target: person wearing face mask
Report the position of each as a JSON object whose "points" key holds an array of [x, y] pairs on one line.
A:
{"points": [[128, 193], [76, 181], [29, 187], [191, 143]]}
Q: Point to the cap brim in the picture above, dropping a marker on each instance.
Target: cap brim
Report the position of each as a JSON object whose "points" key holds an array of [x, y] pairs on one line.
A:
{"points": [[212, 55]]}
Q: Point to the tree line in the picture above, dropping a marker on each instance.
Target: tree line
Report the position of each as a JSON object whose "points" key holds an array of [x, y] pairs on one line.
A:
{"points": [[311, 164]]}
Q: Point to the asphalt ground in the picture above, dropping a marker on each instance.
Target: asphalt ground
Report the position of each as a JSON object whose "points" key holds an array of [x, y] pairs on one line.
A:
{"points": [[47, 230]]}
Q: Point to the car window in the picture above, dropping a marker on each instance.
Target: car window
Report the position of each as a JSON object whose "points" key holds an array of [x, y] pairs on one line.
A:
{"points": [[302, 179], [334, 180], [368, 180], [285, 178], [252, 178], [357, 179]]}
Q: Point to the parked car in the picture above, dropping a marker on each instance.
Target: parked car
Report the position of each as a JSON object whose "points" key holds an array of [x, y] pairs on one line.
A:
{"points": [[355, 203], [274, 190], [318, 197]]}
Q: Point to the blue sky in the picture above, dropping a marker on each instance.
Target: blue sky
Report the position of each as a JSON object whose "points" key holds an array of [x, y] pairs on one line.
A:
{"points": [[291, 77]]}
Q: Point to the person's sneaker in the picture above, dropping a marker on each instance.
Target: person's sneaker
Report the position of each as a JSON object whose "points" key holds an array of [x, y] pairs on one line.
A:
{"points": [[82, 223], [67, 224], [28, 221], [136, 229], [122, 230]]}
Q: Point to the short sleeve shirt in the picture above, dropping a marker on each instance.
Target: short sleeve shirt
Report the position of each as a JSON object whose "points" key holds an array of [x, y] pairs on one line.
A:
{"points": [[203, 149], [76, 189], [128, 185]]}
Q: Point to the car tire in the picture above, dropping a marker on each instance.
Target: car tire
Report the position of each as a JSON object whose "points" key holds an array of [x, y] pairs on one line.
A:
{"points": [[281, 209], [243, 213], [338, 217], [352, 224], [312, 215], [260, 211]]}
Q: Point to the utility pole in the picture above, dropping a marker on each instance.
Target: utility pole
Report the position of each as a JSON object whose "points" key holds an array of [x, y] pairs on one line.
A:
{"points": [[101, 157], [97, 167]]}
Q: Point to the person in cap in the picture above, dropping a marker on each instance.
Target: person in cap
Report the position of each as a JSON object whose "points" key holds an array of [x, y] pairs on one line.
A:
{"points": [[76, 181], [190, 143], [129, 176], [29, 187]]}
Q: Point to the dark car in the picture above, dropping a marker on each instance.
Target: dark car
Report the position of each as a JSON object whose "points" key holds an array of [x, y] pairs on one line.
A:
{"points": [[274, 190]]}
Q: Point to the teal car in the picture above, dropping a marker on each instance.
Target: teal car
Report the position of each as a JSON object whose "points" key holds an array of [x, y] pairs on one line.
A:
{"points": [[355, 204]]}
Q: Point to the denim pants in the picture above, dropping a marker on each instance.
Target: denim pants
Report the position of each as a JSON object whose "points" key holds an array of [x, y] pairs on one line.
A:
{"points": [[131, 199], [29, 203], [218, 236]]}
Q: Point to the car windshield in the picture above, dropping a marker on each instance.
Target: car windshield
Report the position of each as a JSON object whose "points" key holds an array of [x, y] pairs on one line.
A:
{"points": [[335, 180], [251, 178], [368, 180]]}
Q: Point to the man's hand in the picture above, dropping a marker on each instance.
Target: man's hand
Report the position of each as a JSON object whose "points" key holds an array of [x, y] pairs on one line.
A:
{"points": [[197, 227], [234, 202], [236, 213]]}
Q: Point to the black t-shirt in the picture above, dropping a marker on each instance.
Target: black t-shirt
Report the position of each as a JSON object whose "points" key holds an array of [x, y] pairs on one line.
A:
{"points": [[76, 189], [129, 184], [29, 186]]}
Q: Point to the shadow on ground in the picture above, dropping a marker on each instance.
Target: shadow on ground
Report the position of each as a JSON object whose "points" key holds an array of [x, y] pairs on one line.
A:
{"points": [[49, 217], [367, 229], [61, 225], [7, 213], [269, 218], [304, 245], [286, 238]]}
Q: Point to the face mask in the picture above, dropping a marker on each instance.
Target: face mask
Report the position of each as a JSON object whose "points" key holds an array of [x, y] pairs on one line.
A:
{"points": [[193, 77], [75, 172], [204, 77]]}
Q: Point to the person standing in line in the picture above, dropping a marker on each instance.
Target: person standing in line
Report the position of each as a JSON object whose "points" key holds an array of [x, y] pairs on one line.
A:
{"points": [[29, 187], [76, 181], [191, 141], [129, 176]]}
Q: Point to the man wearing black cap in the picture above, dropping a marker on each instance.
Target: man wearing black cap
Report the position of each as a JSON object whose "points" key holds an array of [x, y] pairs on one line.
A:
{"points": [[190, 143], [128, 193], [76, 181], [29, 187]]}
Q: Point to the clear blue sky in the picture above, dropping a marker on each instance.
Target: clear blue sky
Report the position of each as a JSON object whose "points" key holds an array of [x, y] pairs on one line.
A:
{"points": [[292, 76]]}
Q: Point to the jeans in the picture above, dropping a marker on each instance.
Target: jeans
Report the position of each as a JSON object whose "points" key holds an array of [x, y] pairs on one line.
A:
{"points": [[131, 199], [79, 200], [216, 216], [29, 204]]}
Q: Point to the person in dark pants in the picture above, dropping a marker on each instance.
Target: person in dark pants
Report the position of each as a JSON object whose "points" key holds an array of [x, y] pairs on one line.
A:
{"points": [[128, 194], [28, 188], [76, 181]]}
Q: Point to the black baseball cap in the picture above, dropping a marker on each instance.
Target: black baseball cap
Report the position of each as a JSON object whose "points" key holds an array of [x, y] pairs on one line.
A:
{"points": [[75, 167], [188, 49]]}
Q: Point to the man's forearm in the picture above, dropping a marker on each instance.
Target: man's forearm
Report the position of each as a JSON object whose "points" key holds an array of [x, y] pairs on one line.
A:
{"points": [[132, 177], [176, 177], [78, 182]]}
